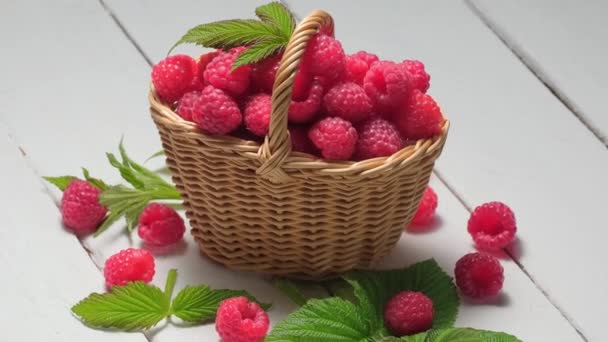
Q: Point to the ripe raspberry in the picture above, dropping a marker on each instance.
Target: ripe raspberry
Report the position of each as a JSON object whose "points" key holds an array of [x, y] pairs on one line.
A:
{"points": [[239, 320], [220, 75], [479, 275], [160, 225], [408, 313], [348, 101], [325, 57], [219, 114], [128, 265], [335, 137], [377, 138], [299, 140], [418, 76], [388, 85], [257, 114], [492, 226], [202, 63], [421, 118], [306, 110], [80, 207], [174, 76], [189, 104], [264, 72], [369, 58], [355, 70], [426, 209]]}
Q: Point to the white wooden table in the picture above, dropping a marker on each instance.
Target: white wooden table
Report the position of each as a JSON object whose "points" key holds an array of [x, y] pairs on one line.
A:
{"points": [[524, 85]]}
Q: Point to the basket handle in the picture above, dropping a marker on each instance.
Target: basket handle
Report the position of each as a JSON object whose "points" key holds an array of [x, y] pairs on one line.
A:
{"points": [[277, 144]]}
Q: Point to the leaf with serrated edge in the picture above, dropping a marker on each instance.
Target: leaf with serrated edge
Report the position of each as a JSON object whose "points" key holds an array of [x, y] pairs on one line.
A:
{"points": [[200, 303], [60, 182], [460, 335], [291, 291], [278, 15], [331, 319], [258, 52], [426, 277], [134, 306], [96, 182]]}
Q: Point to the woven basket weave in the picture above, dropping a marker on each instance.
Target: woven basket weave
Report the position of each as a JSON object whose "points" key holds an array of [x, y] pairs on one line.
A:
{"points": [[267, 209]]}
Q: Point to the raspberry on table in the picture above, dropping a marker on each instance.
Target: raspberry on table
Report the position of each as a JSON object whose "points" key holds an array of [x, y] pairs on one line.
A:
{"points": [[479, 275], [299, 139], [347, 101], [202, 63], [426, 210], [219, 73], [421, 118], [174, 76], [335, 137], [369, 58], [239, 320], [355, 69], [492, 226], [219, 113], [418, 76], [189, 104], [307, 109], [160, 225], [80, 208], [257, 114], [408, 313], [129, 265], [377, 138], [324, 56], [388, 85]]}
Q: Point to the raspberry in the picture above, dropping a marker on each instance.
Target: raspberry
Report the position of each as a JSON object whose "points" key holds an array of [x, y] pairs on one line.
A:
{"points": [[388, 85], [160, 225], [80, 207], [299, 140], [418, 76], [257, 114], [355, 69], [305, 110], [219, 73], [325, 57], [492, 226], [238, 320], [202, 63], [189, 104], [377, 138], [264, 73], [421, 118], [369, 58], [128, 265], [348, 101], [426, 209], [174, 76], [219, 114], [335, 137], [408, 313], [479, 275]]}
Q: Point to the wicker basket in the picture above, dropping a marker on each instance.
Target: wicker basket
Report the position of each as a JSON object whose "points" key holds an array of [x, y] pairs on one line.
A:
{"points": [[267, 209]]}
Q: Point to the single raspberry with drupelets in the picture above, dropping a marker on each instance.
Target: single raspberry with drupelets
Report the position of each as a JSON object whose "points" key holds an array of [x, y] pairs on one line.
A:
{"points": [[377, 138], [408, 313], [129, 265], [219, 73], [257, 114], [160, 225], [479, 275], [324, 56], [355, 69], [174, 76], [426, 209], [239, 320], [336, 138], [189, 104], [492, 226], [306, 109], [202, 63], [219, 113], [347, 101], [418, 77], [80, 208], [388, 85], [421, 118], [369, 58], [264, 73]]}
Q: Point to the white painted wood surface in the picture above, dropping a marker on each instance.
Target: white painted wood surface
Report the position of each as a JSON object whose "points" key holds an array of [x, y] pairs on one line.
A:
{"points": [[566, 43]]}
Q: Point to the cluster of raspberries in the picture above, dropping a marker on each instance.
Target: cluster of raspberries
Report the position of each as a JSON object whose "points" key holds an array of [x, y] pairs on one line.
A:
{"points": [[343, 107]]}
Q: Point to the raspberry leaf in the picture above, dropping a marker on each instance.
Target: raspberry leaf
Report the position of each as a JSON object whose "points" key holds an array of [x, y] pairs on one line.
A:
{"points": [[259, 52], [291, 291], [275, 13], [332, 319], [96, 182], [457, 335], [374, 289], [200, 303], [60, 182]]}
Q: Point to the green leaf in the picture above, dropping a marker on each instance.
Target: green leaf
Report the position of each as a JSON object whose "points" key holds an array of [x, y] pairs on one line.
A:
{"points": [[459, 335], [155, 155], [126, 173], [491, 336], [96, 182], [134, 306], [258, 52], [275, 13], [200, 303], [291, 291], [60, 182], [374, 289], [331, 319]]}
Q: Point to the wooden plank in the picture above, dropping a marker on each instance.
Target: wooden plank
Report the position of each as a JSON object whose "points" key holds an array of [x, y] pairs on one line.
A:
{"points": [[564, 42], [45, 270], [511, 140]]}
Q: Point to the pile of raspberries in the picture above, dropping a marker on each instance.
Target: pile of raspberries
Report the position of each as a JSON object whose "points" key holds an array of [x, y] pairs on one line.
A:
{"points": [[343, 107]]}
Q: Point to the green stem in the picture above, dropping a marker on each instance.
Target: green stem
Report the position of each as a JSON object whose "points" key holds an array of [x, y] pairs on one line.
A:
{"points": [[170, 283]]}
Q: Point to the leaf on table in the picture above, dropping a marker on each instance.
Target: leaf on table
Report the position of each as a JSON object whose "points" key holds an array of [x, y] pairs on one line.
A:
{"points": [[460, 335], [60, 182], [291, 291], [96, 182]]}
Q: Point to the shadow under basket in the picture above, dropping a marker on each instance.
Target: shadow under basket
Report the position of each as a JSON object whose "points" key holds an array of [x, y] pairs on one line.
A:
{"points": [[266, 209]]}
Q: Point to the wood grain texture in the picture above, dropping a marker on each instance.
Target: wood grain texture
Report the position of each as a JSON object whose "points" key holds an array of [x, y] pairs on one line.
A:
{"points": [[565, 43]]}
